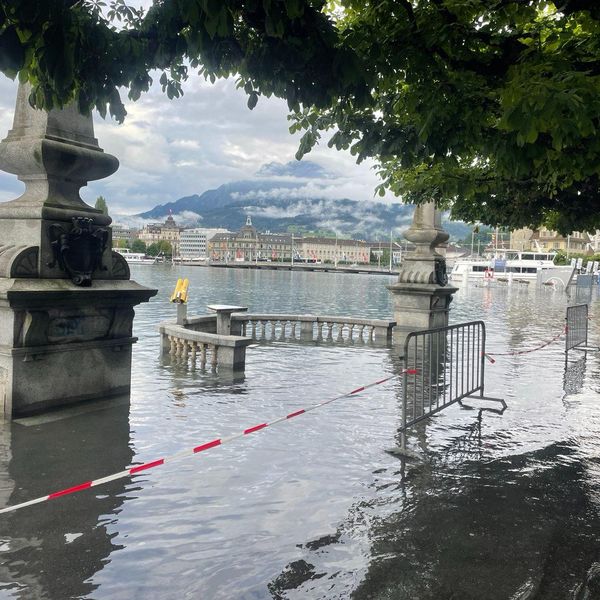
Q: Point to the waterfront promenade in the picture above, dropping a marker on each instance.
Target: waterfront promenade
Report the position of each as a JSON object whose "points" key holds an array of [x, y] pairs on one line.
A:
{"points": [[301, 266]]}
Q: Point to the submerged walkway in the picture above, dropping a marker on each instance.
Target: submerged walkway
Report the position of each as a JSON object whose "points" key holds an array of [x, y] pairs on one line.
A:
{"points": [[271, 266]]}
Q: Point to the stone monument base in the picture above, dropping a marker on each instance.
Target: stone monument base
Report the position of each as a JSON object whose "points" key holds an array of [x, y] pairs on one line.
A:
{"points": [[61, 343], [419, 306]]}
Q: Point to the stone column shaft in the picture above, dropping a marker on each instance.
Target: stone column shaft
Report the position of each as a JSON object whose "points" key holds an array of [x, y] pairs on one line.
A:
{"points": [[421, 294], [66, 301]]}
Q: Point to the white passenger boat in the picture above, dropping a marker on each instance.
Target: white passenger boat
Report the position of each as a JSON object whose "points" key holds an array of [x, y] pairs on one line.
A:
{"points": [[523, 264], [135, 258]]}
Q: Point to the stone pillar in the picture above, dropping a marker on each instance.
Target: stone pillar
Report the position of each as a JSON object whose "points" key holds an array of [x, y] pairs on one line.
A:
{"points": [[307, 328], [66, 301], [421, 294], [223, 323], [233, 357]]}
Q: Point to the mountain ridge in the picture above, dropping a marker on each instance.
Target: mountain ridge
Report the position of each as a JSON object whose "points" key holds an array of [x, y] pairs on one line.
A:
{"points": [[289, 196]]}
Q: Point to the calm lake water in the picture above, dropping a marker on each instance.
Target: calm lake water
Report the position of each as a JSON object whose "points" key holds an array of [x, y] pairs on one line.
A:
{"points": [[502, 506]]}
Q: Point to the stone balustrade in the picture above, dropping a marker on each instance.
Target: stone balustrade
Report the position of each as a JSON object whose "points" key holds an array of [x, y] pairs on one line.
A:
{"points": [[312, 328], [218, 351], [196, 338]]}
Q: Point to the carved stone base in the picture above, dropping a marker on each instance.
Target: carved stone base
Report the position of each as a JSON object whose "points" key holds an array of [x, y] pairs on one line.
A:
{"points": [[61, 343], [418, 307]]}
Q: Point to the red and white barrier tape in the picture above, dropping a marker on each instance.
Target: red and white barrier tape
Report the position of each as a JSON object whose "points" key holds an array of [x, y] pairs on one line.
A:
{"points": [[201, 448], [490, 355]]}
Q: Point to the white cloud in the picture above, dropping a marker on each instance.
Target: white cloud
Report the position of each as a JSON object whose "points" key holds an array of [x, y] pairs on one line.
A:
{"points": [[187, 144], [170, 149], [185, 218]]}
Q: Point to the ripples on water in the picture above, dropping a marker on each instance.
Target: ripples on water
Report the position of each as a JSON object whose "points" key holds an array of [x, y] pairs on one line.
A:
{"points": [[314, 508]]}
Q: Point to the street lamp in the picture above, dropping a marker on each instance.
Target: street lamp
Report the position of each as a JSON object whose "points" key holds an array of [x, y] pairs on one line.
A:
{"points": [[292, 255]]}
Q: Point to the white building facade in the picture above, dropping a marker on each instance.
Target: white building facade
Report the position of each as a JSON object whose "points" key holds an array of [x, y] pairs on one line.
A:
{"points": [[332, 250], [193, 243]]}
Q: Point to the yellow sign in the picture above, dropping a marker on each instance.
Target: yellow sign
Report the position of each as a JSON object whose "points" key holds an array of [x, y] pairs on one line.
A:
{"points": [[180, 293]]}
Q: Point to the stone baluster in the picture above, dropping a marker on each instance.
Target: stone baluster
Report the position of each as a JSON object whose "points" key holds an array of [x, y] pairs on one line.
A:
{"points": [[172, 345], [351, 333], [202, 355], [319, 331], [340, 335], [361, 328], [329, 332], [214, 358], [193, 355]]}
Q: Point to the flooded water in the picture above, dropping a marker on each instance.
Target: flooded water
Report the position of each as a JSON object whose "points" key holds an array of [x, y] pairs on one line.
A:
{"points": [[501, 506]]}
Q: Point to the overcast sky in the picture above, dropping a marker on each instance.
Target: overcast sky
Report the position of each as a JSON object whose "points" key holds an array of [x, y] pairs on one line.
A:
{"points": [[173, 148]]}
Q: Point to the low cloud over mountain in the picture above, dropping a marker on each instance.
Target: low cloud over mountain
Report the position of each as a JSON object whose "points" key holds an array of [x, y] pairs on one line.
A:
{"points": [[298, 194]]}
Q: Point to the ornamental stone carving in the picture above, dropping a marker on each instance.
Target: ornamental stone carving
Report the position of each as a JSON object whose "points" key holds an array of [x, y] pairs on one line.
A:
{"points": [[79, 251]]}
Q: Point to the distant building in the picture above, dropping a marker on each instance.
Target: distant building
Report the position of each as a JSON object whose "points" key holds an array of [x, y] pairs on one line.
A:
{"points": [[126, 234], [544, 240], [193, 243], [168, 231], [248, 244], [332, 250]]}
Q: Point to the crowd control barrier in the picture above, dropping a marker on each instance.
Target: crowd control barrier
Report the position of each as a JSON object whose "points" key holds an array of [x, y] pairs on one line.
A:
{"points": [[577, 326], [443, 367]]}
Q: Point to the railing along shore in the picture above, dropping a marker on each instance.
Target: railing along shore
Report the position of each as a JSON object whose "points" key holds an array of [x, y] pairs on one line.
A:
{"points": [[196, 338]]}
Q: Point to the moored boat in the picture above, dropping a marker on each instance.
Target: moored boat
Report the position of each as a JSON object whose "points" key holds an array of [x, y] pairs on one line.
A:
{"points": [[524, 264], [135, 258]]}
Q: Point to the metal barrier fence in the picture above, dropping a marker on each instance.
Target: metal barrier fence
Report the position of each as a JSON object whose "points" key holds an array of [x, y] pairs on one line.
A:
{"points": [[585, 281], [450, 366], [581, 292], [577, 326]]}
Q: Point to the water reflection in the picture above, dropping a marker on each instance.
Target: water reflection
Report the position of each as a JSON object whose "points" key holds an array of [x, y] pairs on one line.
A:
{"points": [[466, 527], [574, 373], [52, 550]]}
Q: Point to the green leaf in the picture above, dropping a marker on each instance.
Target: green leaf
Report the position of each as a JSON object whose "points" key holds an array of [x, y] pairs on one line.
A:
{"points": [[12, 54], [252, 100]]}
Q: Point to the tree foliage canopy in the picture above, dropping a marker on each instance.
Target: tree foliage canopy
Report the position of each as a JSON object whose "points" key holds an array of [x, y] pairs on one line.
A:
{"points": [[101, 204], [489, 107], [161, 247], [138, 246], [85, 50]]}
